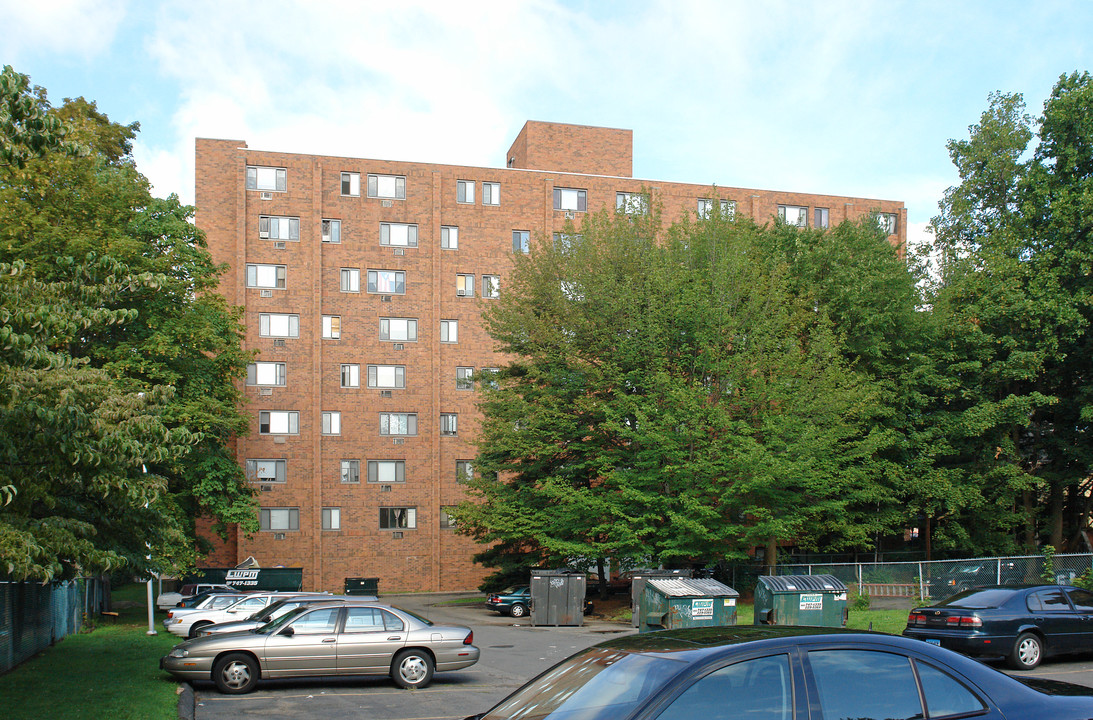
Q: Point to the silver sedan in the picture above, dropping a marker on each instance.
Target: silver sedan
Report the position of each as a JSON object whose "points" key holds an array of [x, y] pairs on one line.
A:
{"points": [[333, 639]]}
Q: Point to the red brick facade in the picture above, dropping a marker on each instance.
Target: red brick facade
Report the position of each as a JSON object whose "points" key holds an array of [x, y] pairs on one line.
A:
{"points": [[545, 156]]}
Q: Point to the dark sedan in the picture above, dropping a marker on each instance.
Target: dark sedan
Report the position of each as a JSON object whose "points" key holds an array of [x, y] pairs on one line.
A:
{"points": [[782, 673], [1024, 624], [514, 601]]}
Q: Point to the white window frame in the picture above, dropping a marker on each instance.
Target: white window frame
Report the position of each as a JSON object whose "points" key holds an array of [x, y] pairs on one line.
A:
{"points": [[260, 275], [821, 218], [398, 518], [449, 424], [267, 179], [394, 472], [278, 325], [449, 331], [278, 465], [350, 472], [399, 277], [464, 285], [786, 213], [571, 199], [266, 374], [521, 242], [378, 373], [631, 203], [390, 329], [887, 223], [491, 286], [332, 327], [289, 419], [332, 422], [331, 230], [449, 237], [491, 193], [398, 424], [728, 209], [332, 518], [279, 519], [278, 227], [447, 520], [351, 375], [398, 234], [464, 471], [464, 191], [350, 280], [464, 378], [351, 184], [387, 187]]}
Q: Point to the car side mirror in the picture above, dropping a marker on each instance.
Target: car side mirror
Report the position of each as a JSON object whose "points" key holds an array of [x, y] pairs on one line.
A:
{"points": [[288, 632], [265, 619]]}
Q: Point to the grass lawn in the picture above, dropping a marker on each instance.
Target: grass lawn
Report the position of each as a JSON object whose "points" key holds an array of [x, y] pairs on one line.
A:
{"points": [[110, 672]]}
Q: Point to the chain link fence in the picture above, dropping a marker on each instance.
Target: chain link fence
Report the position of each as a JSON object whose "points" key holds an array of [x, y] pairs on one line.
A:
{"points": [[938, 579], [33, 616]]}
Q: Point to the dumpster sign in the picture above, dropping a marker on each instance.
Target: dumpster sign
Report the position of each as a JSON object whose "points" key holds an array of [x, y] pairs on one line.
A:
{"points": [[812, 601], [702, 608]]}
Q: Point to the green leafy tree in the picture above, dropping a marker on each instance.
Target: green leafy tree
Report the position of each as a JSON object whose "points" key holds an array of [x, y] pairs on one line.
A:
{"points": [[109, 290]]}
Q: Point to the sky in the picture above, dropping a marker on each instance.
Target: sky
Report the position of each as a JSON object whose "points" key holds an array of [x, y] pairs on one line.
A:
{"points": [[845, 98]]}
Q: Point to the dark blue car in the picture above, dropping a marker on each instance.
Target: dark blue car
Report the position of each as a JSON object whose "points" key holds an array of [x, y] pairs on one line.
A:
{"points": [[1023, 624], [513, 601], [782, 673]]}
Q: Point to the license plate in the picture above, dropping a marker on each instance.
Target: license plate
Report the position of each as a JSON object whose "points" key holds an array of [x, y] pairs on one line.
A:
{"points": [[933, 642]]}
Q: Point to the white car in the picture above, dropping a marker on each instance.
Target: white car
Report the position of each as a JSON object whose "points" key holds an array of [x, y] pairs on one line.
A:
{"points": [[185, 622], [275, 610], [168, 600]]}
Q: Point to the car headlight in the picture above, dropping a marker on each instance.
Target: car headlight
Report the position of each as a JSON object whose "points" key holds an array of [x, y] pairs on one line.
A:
{"points": [[179, 652]]}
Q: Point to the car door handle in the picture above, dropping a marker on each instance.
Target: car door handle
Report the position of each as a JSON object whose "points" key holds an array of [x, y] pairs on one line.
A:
{"points": [[326, 640], [395, 637]]}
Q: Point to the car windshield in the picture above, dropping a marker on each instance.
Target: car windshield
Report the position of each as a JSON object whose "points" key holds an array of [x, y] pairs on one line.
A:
{"points": [[270, 610], [967, 569], [596, 684], [988, 598]]}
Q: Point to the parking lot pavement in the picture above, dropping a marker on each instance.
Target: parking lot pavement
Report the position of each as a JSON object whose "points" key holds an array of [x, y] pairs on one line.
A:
{"points": [[512, 652]]}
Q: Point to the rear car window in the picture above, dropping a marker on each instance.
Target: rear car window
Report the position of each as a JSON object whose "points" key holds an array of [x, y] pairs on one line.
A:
{"points": [[987, 598]]}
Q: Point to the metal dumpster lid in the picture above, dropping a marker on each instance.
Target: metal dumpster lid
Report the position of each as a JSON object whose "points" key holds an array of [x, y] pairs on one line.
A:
{"points": [[797, 583], [683, 587]]}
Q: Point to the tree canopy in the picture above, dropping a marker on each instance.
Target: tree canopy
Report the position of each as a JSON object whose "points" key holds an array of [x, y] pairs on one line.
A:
{"points": [[117, 360]]}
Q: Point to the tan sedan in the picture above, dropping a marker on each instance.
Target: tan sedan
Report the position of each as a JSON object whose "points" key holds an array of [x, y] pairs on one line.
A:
{"points": [[335, 639]]}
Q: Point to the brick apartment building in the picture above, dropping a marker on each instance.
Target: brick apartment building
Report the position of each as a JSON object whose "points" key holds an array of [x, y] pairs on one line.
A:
{"points": [[362, 283]]}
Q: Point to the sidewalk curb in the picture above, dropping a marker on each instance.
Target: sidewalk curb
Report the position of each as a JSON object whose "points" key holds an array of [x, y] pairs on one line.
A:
{"points": [[185, 701]]}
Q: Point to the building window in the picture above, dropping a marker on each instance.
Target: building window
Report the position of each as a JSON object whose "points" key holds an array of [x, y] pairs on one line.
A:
{"points": [[278, 228], [266, 373], [464, 191], [278, 326], [398, 234], [351, 184], [491, 286], [705, 207], [570, 199], [351, 471], [278, 422], [464, 285], [267, 470], [266, 276], [386, 472], [449, 238], [398, 423], [447, 517], [566, 243], [449, 424], [521, 241], [351, 280], [820, 217], [387, 282], [398, 518], [351, 375], [571, 290], [728, 209], [332, 423], [332, 231], [449, 331], [793, 215], [267, 178], [464, 378], [464, 471], [398, 329], [387, 376], [279, 519], [631, 203], [391, 187], [487, 378], [491, 193], [332, 518], [332, 327], [887, 223]]}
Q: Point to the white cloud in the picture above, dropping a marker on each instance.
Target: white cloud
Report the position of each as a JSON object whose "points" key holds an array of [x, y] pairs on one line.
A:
{"points": [[83, 28]]}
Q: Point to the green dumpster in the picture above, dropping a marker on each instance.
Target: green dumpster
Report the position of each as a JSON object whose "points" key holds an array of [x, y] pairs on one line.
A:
{"points": [[800, 600], [362, 586], [670, 603]]}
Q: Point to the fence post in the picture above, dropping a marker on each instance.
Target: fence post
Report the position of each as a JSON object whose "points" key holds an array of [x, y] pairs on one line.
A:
{"points": [[921, 582], [859, 578], [809, 569], [998, 564]]}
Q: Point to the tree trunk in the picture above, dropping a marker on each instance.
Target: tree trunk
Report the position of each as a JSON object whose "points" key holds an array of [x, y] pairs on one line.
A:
{"points": [[1030, 523], [1056, 506], [772, 554], [602, 577]]}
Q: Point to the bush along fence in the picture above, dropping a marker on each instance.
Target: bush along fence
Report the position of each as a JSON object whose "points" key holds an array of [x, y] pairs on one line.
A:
{"points": [[33, 616], [938, 579]]}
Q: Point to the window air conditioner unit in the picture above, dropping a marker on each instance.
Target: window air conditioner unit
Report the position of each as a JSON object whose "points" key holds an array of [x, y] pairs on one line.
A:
{"points": [[265, 392], [267, 488], [400, 251], [264, 234], [386, 203], [398, 441], [267, 293], [461, 292], [385, 488], [385, 393], [385, 298], [266, 196], [279, 440], [279, 245], [278, 536], [398, 346], [279, 342], [569, 215], [396, 535]]}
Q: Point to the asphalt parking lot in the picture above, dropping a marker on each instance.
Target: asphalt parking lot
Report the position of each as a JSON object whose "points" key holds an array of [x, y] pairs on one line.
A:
{"points": [[512, 652]]}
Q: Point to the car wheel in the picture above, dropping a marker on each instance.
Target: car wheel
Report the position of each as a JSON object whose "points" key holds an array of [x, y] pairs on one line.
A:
{"points": [[196, 627], [236, 673], [1028, 651], [412, 669], [518, 610]]}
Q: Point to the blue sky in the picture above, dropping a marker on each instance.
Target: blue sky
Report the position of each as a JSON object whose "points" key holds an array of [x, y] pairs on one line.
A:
{"points": [[854, 98]]}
